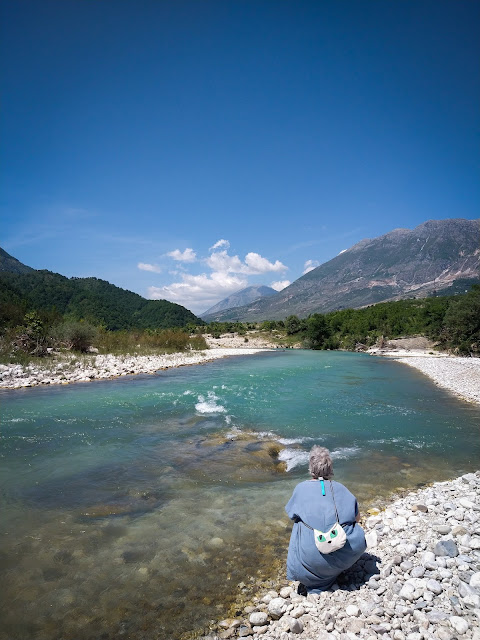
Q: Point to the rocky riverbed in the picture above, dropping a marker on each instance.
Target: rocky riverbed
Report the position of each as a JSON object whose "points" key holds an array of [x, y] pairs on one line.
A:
{"points": [[65, 369], [418, 580]]}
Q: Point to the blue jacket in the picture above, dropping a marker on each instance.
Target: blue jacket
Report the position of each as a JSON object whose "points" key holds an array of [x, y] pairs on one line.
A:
{"points": [[304, 562]]}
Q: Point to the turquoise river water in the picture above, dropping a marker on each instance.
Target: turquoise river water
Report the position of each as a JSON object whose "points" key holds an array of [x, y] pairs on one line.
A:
{"points": [[134, 507]]}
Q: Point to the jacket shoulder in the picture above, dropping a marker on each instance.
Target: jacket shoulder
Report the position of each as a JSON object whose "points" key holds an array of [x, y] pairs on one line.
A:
{"points": [[341, 488]]}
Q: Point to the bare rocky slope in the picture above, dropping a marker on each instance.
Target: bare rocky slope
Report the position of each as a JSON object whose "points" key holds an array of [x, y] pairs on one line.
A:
{"points": [[239, 299], [438, 255]]}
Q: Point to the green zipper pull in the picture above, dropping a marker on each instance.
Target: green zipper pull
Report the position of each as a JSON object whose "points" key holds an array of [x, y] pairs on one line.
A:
{"points": [[323, 486]]}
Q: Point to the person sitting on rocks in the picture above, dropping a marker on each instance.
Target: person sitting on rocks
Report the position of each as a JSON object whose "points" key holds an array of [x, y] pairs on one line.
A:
{"points": [[316, 506]]}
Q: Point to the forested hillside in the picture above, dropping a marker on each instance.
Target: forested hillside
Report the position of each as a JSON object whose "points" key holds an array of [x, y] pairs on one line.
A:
{"points": [[452, 321], [90, 299]]}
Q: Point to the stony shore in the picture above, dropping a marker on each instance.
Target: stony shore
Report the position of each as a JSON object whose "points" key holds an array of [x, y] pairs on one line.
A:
{"points": [[66, 369], [418, 580], [460, 376]]}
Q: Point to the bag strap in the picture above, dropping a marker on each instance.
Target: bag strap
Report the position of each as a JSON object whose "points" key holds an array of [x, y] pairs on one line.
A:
{"points": [[334, 504], [307, 525]]}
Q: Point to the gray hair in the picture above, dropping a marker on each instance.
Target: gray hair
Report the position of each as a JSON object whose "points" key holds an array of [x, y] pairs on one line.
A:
{"points": [[320, 463]]}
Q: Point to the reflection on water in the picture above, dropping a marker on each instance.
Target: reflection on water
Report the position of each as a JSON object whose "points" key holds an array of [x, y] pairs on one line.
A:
{"points": [[135, 507]]}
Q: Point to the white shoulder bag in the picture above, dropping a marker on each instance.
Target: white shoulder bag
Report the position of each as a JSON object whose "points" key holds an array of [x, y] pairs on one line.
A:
{"points": [[333, 539]]}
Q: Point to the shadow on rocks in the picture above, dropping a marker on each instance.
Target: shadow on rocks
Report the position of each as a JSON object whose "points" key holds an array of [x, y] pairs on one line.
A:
{"points": [[359, 573]]}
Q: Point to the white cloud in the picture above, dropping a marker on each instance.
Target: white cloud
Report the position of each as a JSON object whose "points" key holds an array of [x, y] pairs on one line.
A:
{"points": [[149, 267], [221, 261], [188, 255], [254, 263], [228, 275], [310, 265], [280, 284], [219, 244], [199, 292], [343, 251]]}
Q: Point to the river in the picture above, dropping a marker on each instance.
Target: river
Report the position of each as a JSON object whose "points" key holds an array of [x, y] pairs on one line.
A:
{"points": [[135, 507]]}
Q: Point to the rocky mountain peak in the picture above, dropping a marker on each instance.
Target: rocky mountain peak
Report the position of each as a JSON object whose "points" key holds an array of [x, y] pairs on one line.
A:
{"points": [[438, 255]]}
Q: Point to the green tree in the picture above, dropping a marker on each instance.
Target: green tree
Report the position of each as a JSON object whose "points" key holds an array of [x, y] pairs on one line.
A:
{"points": [[317, 331], [293, 325], [268, 325], [461, 327]]}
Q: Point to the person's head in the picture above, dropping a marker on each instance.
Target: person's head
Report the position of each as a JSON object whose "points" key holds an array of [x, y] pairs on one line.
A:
{"points": [[320, 463]]}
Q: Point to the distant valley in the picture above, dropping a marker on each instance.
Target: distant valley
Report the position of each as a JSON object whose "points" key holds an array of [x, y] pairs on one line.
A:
{"points": [[239, 299]]}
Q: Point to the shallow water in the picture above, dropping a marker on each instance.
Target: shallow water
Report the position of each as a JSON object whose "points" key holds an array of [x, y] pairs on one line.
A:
{"points": [[135, 506]]}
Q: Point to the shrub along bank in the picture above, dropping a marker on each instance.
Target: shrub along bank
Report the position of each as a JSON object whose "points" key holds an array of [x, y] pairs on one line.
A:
{"points": [[38, 336]]}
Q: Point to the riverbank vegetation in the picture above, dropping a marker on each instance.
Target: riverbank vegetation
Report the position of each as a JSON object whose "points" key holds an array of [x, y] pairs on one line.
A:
{"points": [[451, 321], [40, 335], [43, 312]]}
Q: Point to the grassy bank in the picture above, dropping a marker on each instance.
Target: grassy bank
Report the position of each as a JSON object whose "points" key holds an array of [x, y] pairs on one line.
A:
{"points": [[35, 341]]}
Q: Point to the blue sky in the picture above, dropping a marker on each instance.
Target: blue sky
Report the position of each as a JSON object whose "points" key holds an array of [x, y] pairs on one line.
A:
{"points": [[185, 149]]}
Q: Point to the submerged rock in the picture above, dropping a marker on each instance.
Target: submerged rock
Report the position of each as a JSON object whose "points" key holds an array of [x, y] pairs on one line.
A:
{"points": [[255, 460]]}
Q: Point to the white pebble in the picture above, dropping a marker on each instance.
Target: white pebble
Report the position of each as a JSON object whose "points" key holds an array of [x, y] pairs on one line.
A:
{"points": [[460, 625]]}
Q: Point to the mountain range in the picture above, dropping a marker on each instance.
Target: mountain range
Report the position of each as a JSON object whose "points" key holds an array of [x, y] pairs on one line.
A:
{"points": [[241, 298], [438, 256]]}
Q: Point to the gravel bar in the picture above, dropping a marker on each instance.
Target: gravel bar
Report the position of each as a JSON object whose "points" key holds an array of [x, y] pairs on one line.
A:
{"points": [[67, 370], [459, 375]]}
